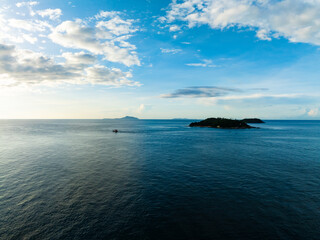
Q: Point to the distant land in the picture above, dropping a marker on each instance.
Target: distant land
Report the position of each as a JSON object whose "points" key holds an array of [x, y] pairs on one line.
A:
{"points": [[123, 118], [224, 123]]}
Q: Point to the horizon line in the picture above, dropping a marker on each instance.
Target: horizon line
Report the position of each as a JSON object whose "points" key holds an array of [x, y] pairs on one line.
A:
{"points": [[266, 119]]}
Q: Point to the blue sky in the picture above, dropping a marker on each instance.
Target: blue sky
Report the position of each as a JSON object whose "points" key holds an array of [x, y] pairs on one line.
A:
{"points": [[160, 59]]}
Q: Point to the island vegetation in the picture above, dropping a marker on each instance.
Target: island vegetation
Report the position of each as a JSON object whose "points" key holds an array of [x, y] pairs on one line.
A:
{"points": [[221, 123], [253, 120]]}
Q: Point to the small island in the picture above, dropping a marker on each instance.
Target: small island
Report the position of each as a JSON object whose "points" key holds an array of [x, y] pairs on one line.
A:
{"points": [[128, 118], [253, 120], [124, 118], [221, 123]]}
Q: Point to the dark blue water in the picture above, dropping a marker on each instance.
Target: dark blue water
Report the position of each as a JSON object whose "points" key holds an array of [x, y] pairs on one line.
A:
{"points": [[157, 179]]}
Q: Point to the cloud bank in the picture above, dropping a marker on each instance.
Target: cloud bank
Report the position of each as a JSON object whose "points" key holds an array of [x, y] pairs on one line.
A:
{"points": [[106, 38], [85, 46], [296, 20], [27, 67]]}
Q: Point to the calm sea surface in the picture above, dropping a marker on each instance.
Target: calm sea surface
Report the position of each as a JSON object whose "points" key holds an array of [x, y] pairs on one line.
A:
{"points": [[158, 179]]}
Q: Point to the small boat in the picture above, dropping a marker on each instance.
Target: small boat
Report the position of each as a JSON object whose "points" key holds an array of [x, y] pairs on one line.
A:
{"points": [[115, 130]]}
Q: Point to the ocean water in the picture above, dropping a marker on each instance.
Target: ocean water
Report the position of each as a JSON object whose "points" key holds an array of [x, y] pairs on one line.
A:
{"points": [[158, 179]]}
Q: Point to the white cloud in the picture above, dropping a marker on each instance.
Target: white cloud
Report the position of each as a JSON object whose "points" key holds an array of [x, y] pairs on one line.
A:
{"points": [[28, 67], [28, 25], [107, 37], [106, 14], [79, 58], [296, 20], [162, 19], [29, 38], [117, 26], [98, 74], [141, 108], [196, 64], [5, 31], [204, 63], [313, 112], [52, 14], [263, 35], [100, 40], [172, 51], [30, 3], [102, 37], [174, 28], [25, 66], [13, 30]]}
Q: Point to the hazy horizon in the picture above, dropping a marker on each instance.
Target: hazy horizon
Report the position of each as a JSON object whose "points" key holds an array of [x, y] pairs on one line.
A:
{"points": [[182, 118]]}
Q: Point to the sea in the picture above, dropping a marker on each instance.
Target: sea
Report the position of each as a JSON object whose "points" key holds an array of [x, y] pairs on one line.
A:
{"points": [[158, 179]]}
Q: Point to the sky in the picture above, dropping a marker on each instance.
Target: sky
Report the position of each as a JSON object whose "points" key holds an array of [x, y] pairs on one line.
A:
{"points": [[159, 59]]}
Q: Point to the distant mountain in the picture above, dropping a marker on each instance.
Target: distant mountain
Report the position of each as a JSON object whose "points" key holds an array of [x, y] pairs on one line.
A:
{"points": [[124, 118], [128, 118]]}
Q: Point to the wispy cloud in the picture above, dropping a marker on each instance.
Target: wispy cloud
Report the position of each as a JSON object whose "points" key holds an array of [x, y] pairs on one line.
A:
{"points": [[52, 14], [172, 50], [200, 92], [258, 99], [207, 95], [204, 63], [30, 3]]}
